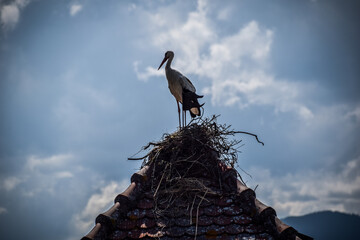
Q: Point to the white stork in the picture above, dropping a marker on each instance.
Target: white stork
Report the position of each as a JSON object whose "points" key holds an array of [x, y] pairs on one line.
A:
{"points": [[182, 89]]}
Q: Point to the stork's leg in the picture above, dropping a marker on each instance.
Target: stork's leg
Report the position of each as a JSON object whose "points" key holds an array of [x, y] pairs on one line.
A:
{"points": [[184, 118], [178, 113]]}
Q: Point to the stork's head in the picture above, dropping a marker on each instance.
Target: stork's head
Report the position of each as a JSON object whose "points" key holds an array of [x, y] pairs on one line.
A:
{"points": [[168, 54]]}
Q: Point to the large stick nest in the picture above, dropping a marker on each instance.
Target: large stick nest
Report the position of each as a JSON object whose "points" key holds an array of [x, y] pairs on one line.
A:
{"points": [[189, 163]]}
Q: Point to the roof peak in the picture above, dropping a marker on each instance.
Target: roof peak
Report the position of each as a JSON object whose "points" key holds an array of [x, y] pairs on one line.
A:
{"points": [[187, 188]]}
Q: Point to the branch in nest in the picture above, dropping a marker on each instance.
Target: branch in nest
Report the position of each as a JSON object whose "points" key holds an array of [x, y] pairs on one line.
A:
{"points": [[257, 139], [140, 158]]}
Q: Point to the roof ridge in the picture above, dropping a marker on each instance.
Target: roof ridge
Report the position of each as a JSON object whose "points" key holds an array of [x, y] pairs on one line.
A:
{"points": [[106, 222]]}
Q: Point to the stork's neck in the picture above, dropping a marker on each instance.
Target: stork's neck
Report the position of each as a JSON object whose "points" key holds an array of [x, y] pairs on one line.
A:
{"points": [[168, 64]]}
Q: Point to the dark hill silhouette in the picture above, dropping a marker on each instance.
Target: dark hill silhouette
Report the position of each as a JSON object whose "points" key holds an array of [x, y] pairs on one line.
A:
{"points": [[327, 225]]}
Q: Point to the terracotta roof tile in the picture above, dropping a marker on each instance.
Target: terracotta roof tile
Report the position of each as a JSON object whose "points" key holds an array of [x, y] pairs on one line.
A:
{"points": [[223, 201], [222, 220], [146, 223], [202, 220], [234, 229], [241, 219], [145, 203], [126, 224], [136, 213]]}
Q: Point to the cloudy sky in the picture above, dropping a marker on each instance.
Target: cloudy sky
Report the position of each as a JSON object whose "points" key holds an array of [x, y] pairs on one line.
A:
{"points": [[80, 92]]}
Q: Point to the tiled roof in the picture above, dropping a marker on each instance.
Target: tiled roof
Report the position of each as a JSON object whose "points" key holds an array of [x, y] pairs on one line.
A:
{"points": [[140, 212]]}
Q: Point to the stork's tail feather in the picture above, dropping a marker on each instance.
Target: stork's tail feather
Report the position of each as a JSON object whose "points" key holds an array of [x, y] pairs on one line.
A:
{"points": [[190, 102]]}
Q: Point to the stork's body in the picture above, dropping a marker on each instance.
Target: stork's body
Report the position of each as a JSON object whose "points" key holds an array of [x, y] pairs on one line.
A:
{"points": [[181, 87]]}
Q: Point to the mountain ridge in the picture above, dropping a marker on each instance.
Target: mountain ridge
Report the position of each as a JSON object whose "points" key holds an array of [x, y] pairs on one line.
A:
{"points": [[329, 225]]}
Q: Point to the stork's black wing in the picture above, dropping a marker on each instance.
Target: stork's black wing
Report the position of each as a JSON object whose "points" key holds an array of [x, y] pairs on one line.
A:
{"points": [[190, 100]]}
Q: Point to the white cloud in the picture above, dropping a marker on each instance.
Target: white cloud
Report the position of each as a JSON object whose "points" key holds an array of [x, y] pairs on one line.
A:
{"points": [[189, 37], [39, 175], [10, 16], [337, 120], [56, 180], [64, 174], [48, 162], [10, 183], [97, 204], [236, 66], [355, 113], [149, 72], [75, 9], [3, 210], [314, 190], [10, 13], [224, 14], [22, 3]]}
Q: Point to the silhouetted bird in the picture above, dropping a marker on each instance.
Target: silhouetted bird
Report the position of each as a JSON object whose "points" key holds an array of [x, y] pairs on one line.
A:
{"points": [[182, 89]]}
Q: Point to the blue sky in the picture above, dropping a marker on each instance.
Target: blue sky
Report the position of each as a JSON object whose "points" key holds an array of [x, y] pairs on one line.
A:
{"points": [[80, 92]]}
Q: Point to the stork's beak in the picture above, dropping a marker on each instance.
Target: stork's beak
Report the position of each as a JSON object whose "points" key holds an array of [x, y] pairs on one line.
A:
{"points": [[164, 60]]}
